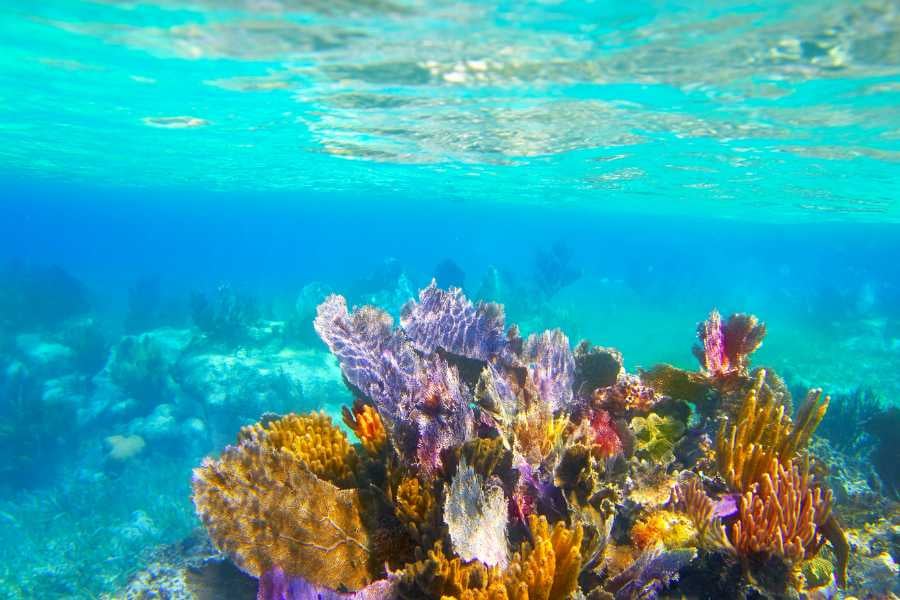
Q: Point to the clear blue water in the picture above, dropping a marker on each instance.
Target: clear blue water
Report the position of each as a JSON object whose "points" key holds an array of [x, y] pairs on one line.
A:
{"points": [[737, 155]]}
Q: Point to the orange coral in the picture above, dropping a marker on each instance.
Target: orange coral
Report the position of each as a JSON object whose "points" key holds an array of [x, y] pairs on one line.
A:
{"points": [[263, 506], [547, 570], [764, 434], [366, 423], [313, 439], [782, 515]]}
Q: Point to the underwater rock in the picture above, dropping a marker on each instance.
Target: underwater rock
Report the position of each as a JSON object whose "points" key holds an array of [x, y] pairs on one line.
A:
{"points": [[122, 448], [233, 389], [228, 318], [188, 570]]}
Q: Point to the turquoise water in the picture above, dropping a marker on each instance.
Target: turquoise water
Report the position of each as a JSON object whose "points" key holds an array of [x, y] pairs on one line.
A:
{"points": [[616, 169]]}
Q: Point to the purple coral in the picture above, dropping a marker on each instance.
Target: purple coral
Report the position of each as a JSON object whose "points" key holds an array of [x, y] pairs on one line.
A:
{"points": [[725, 347], [275, 585], [440, 408], [651, 573], [551, 365], [424, 404], [373, 358], [448, 320]]}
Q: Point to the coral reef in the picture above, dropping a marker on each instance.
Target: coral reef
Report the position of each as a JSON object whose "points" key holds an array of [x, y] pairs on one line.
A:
{"points": [[492, 467]]}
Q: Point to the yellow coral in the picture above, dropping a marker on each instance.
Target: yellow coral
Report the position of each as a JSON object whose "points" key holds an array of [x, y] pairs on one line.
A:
{"points": [[264, 507], [547, 570], [764, 435], [314, 440], [414, 505], [366, 423], [666, 527], [537, 433]]}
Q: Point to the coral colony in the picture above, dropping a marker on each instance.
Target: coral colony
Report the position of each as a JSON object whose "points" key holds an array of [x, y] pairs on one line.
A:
{"points": [[491, 466]]}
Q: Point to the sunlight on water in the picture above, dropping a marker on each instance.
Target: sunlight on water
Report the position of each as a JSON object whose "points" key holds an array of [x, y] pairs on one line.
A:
{"points": [[772, 109]]}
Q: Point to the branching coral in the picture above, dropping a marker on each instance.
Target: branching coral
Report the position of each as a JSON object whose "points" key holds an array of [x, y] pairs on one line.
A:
{"points": [[366, 423], [414, 504], [690, 499], [549, 568], [782, 515], [725, 348], [264, 508], [763, 434], [313, 439]]}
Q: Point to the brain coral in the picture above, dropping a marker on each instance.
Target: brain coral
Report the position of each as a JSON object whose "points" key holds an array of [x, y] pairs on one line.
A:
{"points": [[313, 439], [264, 508]]}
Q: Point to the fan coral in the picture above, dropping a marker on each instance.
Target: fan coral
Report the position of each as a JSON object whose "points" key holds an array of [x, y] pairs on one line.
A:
{"points": [[764, 434], [366, 423], [440, 411], [817, 572], [679, 384], [537, 434], [782, 515], [448, 320], [725, 348], [551, 367], [372, 358], [666, 527], [313, 439], [476, 517], [264, 508], [656, 436]]}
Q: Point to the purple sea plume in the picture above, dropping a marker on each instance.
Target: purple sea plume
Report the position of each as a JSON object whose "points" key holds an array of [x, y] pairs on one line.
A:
{"points": [[726, 506], [275, 585], [447, 319]]}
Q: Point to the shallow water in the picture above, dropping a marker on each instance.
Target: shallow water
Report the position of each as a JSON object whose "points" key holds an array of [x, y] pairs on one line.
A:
{"points": [[615, 169]]}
